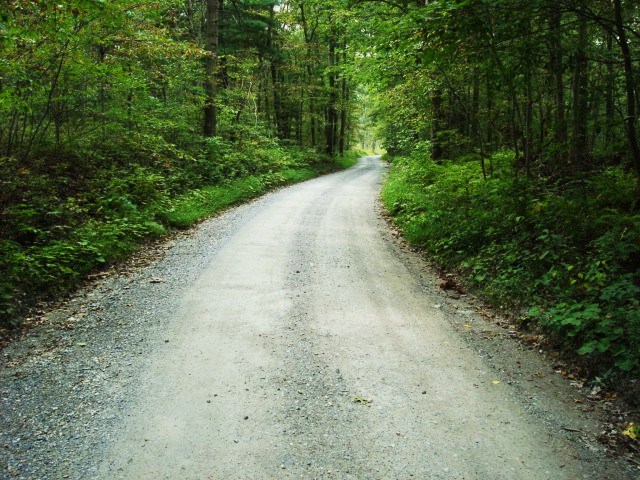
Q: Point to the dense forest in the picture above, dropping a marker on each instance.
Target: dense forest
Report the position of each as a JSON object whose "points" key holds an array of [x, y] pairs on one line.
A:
{"points": [[511, 127]]}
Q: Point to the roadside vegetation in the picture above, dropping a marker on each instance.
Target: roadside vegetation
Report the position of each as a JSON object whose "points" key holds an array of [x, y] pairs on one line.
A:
{"points": [[57, 231], [120, 120], [512, 129], [565, 254]]}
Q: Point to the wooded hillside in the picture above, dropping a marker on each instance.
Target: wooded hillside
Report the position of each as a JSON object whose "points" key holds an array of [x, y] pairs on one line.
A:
{"points": [[513, 126]]}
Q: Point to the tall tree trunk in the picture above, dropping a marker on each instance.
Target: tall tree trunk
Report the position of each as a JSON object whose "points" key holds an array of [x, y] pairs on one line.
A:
{"points": [[50, 100], [310, 81], [609, 109], [275, 80], [312, 113], [264, 100], [489, 119], [210, 84], [515, 116], [580, 147], [515, 132], [331, 115], [630, 87], [300, 118], [343, 116], [528, 118], [475, 105], [277, 101], [560, 123], [437, 123]]}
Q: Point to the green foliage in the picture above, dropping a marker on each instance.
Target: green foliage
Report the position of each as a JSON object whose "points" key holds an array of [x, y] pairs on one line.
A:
{"points": [[101, 123], [546, 79], [349, 159], [570, 250], [56, 230], [284, 167]]}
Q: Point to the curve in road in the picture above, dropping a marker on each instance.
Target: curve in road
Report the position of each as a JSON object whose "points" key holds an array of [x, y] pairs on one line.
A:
{"points": [[306, 349]]}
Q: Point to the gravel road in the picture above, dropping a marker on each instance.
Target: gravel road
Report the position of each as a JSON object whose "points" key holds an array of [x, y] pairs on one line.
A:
{"points": [[293, 337]]}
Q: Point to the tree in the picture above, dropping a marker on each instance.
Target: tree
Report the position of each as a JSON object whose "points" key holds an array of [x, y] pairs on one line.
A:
{"points": [[630, 90], [535, 77], [210, 110]]}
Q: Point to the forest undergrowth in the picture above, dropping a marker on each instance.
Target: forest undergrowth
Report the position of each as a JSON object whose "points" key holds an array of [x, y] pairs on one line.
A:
{"points": [[564, 253], [120, 120], [62, 220]]}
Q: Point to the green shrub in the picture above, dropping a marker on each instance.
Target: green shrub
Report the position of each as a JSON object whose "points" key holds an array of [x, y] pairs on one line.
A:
{"points": [[62, 219], [569, 250]]}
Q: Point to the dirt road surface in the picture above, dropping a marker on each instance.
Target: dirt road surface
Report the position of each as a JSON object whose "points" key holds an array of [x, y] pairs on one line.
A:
{"points": [[290, 338]]}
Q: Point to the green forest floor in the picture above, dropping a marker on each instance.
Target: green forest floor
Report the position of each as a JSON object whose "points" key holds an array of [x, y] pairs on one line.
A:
{"points": [[564, 256]]}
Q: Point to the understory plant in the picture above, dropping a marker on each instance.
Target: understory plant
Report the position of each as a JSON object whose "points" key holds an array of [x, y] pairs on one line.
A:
{"points": [[567, 252], [62, 218]]}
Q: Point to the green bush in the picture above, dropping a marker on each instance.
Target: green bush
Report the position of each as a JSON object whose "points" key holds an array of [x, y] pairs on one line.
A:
{"points": [[63, 218], [569, 252]]}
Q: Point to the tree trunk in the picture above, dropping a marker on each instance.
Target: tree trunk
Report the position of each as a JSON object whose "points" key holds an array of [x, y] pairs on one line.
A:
{"points": [[515, 132], [331, 115], [528, 119], [210, 84], [560, 123], [630, 87], [343, 116], [50, 100], [475, 106], [580, 147], [310, 81], [437, 122], [489, 117], [609, 109], [280, 124]]}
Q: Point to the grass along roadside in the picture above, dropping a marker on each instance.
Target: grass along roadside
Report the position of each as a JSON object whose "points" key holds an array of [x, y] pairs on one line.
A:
{"points": [[55, 267], [202, 203]]}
